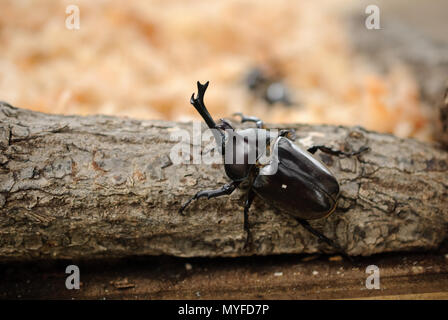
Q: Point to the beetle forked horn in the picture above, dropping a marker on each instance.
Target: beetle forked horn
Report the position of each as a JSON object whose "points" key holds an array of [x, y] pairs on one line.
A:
{"points": [[199, 105]]}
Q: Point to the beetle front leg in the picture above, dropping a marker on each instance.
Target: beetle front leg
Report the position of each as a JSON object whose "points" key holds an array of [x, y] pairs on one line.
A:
{"points": [[226, 189], [244, 118], [328, 150]]}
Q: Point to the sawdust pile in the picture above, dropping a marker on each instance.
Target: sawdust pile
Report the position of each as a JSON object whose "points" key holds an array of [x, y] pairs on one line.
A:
{"points": [[142, 59]]}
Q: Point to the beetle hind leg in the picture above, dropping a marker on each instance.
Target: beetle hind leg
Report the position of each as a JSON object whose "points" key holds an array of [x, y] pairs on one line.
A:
{"points": [[330, 242], [226, 189], [328, 150], [244, 118]]}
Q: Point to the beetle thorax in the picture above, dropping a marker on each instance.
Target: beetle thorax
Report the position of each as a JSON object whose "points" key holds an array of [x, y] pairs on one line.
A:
{"points": [[242, 151]]}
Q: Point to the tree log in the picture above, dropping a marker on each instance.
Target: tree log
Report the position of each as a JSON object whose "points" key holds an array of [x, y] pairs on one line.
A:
{"points": [[78, 187]]}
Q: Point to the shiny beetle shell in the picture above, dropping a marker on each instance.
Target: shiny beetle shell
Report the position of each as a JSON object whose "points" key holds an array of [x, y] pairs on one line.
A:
{"points": [[302, 186]]}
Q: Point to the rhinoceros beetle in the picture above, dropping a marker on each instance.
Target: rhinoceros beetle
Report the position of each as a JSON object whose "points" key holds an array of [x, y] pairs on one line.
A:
{"points": [[292, 180]]}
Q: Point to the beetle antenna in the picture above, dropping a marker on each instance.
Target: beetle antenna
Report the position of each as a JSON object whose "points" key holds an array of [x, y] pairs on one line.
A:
{"points": [[199, 105]]}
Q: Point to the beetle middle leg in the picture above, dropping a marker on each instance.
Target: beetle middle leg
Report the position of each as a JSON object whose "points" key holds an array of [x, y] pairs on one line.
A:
{"points": [[247, 205], [328, 150], [226, 189], [330, 242], [244, 118]]}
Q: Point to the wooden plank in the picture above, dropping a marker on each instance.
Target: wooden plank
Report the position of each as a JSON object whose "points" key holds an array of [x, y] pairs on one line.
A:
{"points": [[409, 276]]}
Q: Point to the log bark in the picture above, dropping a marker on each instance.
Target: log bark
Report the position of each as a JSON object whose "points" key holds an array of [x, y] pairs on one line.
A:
{"points": [[91, 187]]}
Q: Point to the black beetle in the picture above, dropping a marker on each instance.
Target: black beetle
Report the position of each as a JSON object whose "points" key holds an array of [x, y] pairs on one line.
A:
{"points": [[292, 180]]}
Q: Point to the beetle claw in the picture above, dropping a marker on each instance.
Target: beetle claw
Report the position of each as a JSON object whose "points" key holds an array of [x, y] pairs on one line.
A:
{"points": [[247, 242], [363, 149], [184, 206]]}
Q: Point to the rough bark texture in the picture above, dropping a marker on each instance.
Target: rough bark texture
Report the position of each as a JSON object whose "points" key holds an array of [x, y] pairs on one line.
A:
{"points": [[99, 186]]}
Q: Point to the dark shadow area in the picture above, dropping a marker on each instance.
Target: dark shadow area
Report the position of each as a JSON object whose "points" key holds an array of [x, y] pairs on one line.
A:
{"points": [[268, 277]]}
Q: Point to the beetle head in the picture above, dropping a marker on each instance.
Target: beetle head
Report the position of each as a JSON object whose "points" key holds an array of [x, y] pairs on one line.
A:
{"points": [[224, 125]]}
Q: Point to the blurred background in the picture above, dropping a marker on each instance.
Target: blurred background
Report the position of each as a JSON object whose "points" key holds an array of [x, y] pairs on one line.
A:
{"points": [[282, 60]]}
